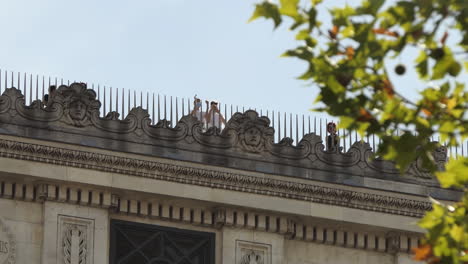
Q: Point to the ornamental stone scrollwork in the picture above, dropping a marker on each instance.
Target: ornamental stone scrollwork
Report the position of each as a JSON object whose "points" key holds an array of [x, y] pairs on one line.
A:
{"points": [[72, 115], [252, 253], [252, 257], [440, 158], [75, 245], [7, 244]]}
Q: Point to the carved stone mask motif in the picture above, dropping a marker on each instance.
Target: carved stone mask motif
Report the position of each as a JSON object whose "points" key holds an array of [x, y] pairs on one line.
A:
{"points": [[252, 136], [77, 110], [79, 104], [255, 133]]}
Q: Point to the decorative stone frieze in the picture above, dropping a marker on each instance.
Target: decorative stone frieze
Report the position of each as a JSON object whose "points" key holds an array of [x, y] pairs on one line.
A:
{"points": [[76, 238], [7, 244], [211, 178]]}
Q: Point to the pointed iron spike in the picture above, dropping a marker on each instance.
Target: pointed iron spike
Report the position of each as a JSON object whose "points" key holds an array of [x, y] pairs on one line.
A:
{"points": [[153, 117], [171, 111], [320, 126], [105, 112], [165, 108], [225, 112], [123, 103], [285, 125], [159, 109], [279, 126], [30, 89], [273, 121], [43, 86], [128, 101], [177, 109], [297, 130], [183, 106], [117, 100], [344, 141], [303, 126], [110, 99], [290, 126]]}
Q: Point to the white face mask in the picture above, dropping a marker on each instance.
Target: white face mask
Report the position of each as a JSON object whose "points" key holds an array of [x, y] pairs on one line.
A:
{"points": [[198, 104]]}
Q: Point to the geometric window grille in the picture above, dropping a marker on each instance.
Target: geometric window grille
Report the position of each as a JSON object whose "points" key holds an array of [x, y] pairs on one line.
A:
{"points": [[136, 243]]}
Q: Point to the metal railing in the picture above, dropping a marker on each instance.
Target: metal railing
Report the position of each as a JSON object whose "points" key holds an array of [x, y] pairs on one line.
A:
{"points": [[170, 108]]}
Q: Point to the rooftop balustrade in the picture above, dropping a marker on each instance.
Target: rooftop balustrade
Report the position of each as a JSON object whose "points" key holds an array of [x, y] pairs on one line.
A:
{"points": [[171, 109]]}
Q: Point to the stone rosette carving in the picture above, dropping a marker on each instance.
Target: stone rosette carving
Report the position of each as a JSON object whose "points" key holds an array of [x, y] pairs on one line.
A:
{"points": [[252, 253], [7, 244]]}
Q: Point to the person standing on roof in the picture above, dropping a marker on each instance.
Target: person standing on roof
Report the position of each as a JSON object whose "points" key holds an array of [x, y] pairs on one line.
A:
{"points": [[214, 118], [197, 110]]}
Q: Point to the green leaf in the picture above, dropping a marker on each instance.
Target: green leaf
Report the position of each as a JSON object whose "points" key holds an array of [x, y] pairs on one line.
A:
{"points": [[341, 15], [444, 63], [457, 233], [432, 218], [454, 68], [371, 6], [346, 121], [302, 35], [267, 10], [422, 65], [455, 174], [289, 7]]}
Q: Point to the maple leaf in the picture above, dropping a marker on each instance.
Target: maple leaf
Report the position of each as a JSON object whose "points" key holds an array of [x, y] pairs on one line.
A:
{"points": [[333, 32], [388, 88], [350, 52], [364, 115], [423, 252]]}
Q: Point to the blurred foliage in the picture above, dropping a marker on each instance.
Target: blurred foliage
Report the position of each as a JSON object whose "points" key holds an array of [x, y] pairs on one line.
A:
{"points": [[348, 57]]}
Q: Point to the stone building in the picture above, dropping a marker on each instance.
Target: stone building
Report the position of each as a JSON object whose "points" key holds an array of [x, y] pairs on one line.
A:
{"points": [[80, 189]]}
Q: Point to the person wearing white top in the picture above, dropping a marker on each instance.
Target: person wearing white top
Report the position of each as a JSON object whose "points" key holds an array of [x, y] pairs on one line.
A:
{"points": [[197, 111], [214, 118]]}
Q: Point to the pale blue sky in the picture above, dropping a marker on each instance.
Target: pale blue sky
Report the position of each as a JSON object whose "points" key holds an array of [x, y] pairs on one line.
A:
{"points": [[174, 47]]}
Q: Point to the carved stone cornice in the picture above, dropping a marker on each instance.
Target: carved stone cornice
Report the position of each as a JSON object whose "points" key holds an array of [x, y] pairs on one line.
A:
{"points": [[212, 178]]}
